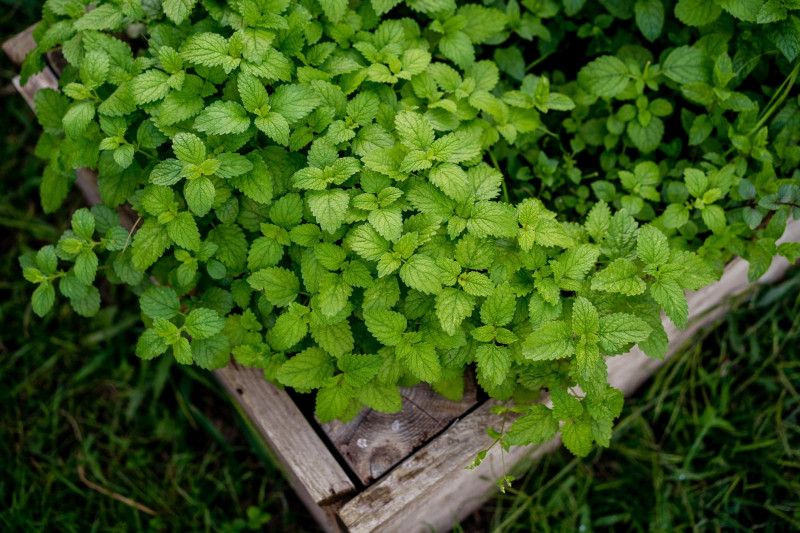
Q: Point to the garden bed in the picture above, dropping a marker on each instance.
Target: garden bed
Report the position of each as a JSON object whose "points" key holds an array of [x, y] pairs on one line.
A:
{"points": [[406, 471]]}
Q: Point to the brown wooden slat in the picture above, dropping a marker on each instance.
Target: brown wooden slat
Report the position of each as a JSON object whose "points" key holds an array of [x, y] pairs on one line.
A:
{"points": [[373, 442], [431, 489], [288, 433]]}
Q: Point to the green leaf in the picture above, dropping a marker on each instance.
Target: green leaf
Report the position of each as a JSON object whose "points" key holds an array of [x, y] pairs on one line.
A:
{"points": [[222, 117], [160, 302], [203, 323], [280, 286], [577, 436], [189, 148], [336, 339], [293, 102], [697, 12], [786, 37], [43, 298], [618, 329], [452, 180], [86, 266], [536, 427], [669, 295], [585, 319], [77, 118], [103, 17], [150, 345], [492, 218], [413, 130], [334, 9], [149, 243], [94, 69], [309, 369], [199, 194], [452, 307], [686, 64], [212, 353], [83, 223], [331, 403], [746, 10], [207, 49], [183, 230], [275, 127], [359, 369], [714, 218], [646, 138], [476, 284], [383, 6], [652, 246], [366, 242], [178, 10], [423, 362], [150, 86], [329, 208], [420, 272], [386, 326], [649, 18], [621, 276], [289, 329], [498, 309], [606, 76], [458, 48], [494, 362], [552, 341], [381, 398], [231, 245], [675, 216]]}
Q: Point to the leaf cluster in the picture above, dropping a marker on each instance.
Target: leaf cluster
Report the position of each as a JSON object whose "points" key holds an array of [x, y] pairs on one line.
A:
{"points": [[357, 196]]}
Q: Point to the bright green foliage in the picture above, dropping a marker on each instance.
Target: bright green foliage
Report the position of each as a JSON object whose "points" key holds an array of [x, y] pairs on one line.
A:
{"points": [[357, 195]]}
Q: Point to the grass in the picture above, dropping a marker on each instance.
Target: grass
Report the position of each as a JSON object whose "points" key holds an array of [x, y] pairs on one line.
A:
{"points": [[93, 439]]}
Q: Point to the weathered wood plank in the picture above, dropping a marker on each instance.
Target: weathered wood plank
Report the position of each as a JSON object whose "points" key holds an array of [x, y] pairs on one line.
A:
{"points": [[419, 493], [301, 451], [18, 46], [373, 442], [42, 80]]}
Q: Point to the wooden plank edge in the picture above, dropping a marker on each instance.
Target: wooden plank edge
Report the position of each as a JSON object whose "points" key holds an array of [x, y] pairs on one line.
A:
{"points": [[424, 486], [311, 468]]}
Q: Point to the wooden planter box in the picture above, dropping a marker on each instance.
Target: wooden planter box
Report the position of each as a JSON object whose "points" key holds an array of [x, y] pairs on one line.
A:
{"points": [[406, 472]]}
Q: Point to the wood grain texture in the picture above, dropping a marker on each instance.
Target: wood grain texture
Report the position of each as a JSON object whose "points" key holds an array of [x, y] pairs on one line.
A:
{"points": [[372, 443], [300, 450], [431, 490]]}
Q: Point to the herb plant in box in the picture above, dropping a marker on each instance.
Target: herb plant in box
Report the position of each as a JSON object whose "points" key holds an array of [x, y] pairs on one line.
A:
{"points": [[358, 196]]}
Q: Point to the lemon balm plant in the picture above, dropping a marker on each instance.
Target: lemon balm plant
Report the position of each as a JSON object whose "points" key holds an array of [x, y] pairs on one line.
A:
{"points": [[356, 196]]}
